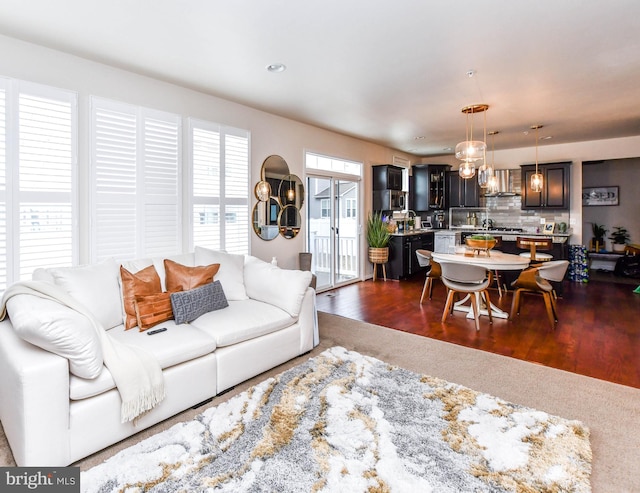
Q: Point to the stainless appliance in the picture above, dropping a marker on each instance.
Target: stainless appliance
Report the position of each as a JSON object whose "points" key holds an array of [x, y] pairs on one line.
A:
{"points": [[388, 200], [439, 220], [446, 241], [508, 183]]}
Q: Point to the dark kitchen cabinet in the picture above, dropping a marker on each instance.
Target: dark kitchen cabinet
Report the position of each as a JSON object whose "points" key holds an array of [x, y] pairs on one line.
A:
{"points": [[403, 261], [462, 192], [555, 189], [387, 177], [428, 187]]}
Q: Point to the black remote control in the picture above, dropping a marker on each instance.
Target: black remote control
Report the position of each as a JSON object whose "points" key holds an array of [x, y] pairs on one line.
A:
{"points": [[156, 331]]}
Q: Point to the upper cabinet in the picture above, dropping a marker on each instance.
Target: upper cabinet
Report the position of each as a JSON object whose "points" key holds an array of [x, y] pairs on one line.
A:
{"points": [[462, 192], [387, 177], [428, 187], [555, 191]]}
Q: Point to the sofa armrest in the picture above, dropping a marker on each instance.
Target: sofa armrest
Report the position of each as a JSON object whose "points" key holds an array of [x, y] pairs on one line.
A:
{"points": [[308, 320], [34, 401]]}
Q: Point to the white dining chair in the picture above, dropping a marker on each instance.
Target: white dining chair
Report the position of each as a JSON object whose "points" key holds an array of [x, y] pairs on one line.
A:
{"points": [[433, 274], [469, 279], [554, 271]]}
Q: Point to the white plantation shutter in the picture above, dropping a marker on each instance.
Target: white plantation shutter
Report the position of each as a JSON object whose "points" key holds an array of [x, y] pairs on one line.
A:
{"points": [[38, 156], [219, 186], [136, 165], [4, 257]]}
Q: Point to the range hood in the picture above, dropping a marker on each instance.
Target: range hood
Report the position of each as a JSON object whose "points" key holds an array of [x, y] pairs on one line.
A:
{"points": [[506, 185]]}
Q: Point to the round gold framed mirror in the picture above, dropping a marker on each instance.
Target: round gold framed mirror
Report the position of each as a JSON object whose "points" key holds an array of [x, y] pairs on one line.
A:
{"points": [[291, 191], [289, 221], [265, 218]]}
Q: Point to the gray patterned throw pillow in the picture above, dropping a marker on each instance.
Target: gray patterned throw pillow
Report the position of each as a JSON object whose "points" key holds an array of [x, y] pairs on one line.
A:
{"points": [[189, 305]]}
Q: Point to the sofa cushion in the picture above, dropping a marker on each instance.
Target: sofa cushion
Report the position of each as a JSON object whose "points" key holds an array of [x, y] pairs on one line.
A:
{"points": [[143, 282], [241, 321], [182, 258], [58, 329], [96, 287], [189, 305], [176, 345], [180, 277], [152, 309], [271, 284], [231, 273]]}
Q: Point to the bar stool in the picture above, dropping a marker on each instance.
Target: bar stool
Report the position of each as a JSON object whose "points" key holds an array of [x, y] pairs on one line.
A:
{"points": [[533, 245], [425, 260], [496, 273]]}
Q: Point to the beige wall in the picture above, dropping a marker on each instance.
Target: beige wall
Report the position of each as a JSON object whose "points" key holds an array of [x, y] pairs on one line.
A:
{"points": [[270, 134], [625, 174]]}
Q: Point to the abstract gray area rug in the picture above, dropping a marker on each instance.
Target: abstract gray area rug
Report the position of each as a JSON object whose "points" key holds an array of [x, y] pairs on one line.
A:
{"points": [[344, 422]]}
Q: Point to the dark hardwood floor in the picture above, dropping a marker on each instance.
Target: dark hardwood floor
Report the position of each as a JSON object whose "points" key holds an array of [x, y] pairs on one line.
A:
{"points": [[598, 333]]}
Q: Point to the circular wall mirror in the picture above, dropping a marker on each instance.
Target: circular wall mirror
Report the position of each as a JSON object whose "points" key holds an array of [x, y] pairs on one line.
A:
{"points": [[274, 168], [289, 221], [291, 191], [265, 218], [262, 191]]}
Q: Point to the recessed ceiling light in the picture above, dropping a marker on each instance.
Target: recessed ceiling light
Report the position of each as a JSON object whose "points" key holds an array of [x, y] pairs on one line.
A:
{"points": [[421, 137], [547, 137], [448, 149], [276, 67]]}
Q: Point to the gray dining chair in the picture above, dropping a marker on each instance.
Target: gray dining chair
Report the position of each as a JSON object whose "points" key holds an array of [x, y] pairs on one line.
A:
{"points": [[433, 274], [469, 279]]}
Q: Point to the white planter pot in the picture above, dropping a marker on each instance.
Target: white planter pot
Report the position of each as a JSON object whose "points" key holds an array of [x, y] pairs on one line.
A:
{"points": [[618, 247]]}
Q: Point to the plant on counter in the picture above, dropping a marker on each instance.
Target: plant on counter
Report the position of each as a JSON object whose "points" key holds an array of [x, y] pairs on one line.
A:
{"points": [[619, 237]]}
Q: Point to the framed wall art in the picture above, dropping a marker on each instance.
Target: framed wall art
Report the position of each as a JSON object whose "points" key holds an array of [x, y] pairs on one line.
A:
{"points": [[600, 196]]}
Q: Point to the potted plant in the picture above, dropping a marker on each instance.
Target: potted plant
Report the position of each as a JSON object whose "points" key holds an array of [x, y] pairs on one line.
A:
{"points": [[598, 236], [620, 238], [378, 238]]}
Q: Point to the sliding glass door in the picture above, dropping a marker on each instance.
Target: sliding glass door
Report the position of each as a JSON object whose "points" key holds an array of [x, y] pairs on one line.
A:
{"points": [[333, 229]]}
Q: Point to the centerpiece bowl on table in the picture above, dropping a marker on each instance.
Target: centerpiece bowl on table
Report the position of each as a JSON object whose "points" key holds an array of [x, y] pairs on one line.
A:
{"points": [[480, 243]]}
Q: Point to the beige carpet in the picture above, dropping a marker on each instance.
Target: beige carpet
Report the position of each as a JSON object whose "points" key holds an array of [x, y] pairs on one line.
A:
{"points": [[611, 411]]}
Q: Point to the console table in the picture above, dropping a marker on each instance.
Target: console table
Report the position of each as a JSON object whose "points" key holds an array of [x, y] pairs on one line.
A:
{"points": [[603, 261]]}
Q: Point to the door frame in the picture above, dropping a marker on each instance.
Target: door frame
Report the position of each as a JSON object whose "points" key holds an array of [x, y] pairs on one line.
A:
{"points": [[334, 178]]}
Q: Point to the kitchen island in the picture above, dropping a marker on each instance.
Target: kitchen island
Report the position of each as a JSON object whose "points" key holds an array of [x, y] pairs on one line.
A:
{"points": [[403, 262]]}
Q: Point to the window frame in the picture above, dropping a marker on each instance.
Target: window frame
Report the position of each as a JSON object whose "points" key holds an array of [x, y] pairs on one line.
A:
{"points": [[12, 197]]}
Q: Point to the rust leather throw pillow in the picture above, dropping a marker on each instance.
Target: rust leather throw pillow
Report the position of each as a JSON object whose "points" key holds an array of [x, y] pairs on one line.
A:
{"points": [[152, 309], [180, 277], [143, 282]]}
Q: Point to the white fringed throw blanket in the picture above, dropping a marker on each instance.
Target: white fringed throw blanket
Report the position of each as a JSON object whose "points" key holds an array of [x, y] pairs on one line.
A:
{"points": [[137, 373]]}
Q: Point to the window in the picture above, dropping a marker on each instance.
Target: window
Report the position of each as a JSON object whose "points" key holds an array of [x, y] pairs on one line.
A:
{"points": [[38, 160], [219, 186], [350, 208], [325, 163], [324, 208], [135, 179]]}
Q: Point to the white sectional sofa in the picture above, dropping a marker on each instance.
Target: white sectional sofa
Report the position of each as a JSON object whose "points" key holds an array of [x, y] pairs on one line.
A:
{"points": [[58, 400]]}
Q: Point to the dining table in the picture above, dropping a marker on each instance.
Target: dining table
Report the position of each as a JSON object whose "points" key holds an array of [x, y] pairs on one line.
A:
{"points": [[495, 261]]}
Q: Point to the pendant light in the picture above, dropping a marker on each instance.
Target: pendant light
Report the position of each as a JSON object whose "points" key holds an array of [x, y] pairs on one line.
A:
{"points": [[471, 150], [492, 180], [485, 170], [536, 179]]}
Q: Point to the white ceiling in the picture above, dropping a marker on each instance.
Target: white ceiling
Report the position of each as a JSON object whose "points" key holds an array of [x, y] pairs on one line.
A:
{"points": [[387, 71]]}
